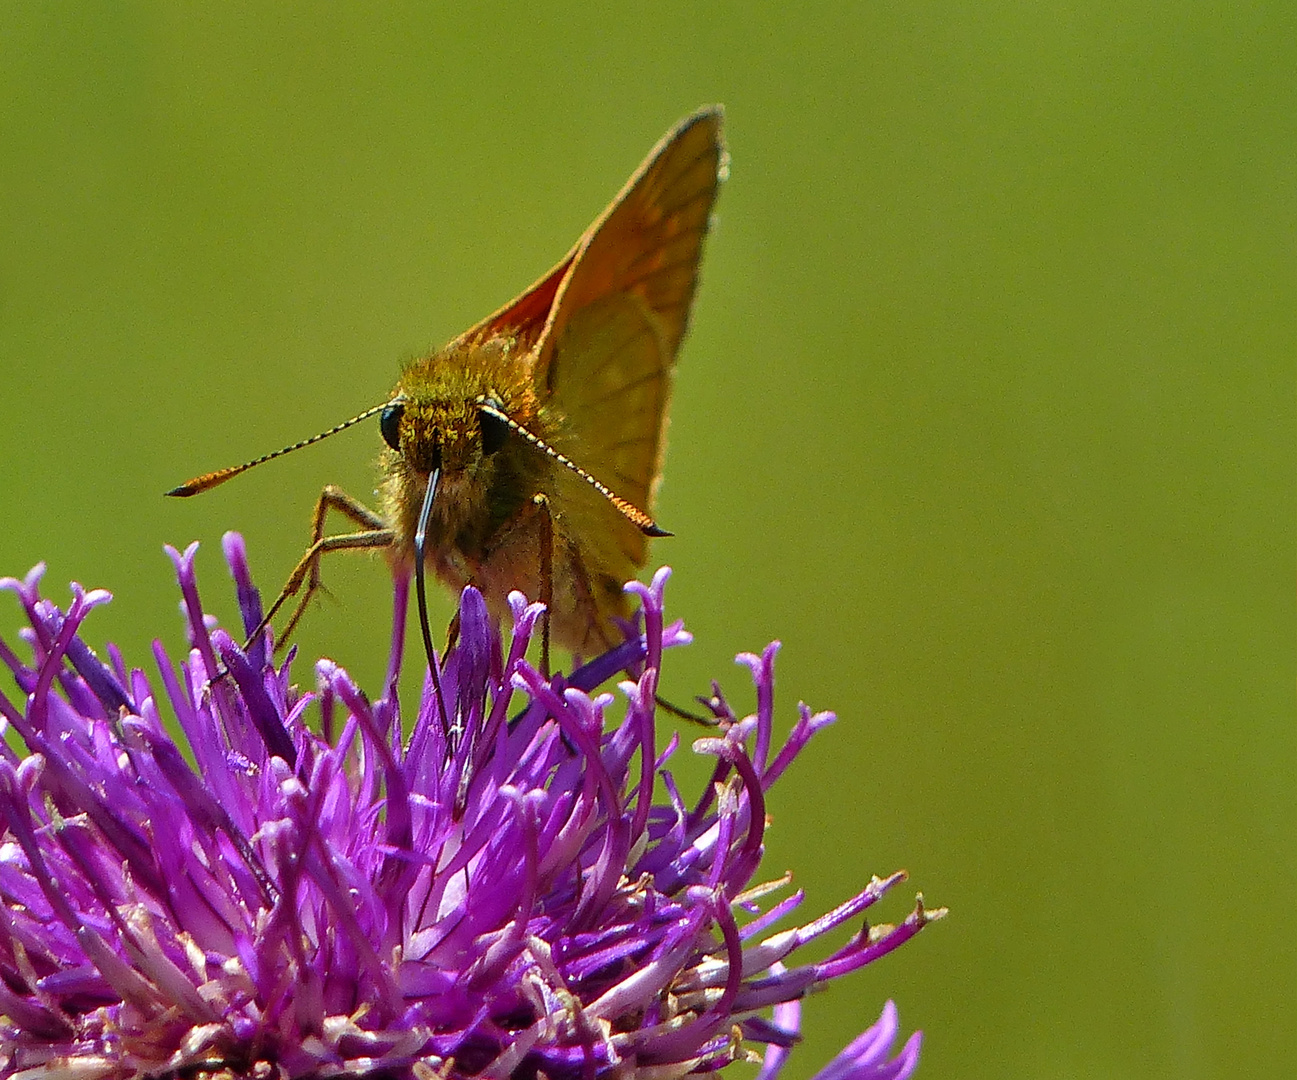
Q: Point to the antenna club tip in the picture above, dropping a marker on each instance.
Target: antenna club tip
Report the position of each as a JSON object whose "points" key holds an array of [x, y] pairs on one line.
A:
{"points": [[206, 482], [652, 529]]}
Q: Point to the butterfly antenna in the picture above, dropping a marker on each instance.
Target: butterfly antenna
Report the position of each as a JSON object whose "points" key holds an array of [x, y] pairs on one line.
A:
{"points": [[210, 480], [628, 510]]}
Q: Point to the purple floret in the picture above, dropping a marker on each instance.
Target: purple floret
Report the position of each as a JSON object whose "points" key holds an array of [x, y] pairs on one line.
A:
{"points": [[366, 896]]}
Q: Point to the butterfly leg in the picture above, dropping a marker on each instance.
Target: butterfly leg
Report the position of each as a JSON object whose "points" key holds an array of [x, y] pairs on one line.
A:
{"points": [[375, 534]]}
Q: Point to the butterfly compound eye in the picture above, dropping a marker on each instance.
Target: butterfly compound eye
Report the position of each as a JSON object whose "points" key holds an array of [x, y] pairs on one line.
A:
{"points": [[389, 424], [494, 431]]}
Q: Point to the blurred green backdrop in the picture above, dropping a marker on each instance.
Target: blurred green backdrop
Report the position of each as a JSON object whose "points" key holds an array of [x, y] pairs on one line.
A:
{"points": [[987, 413]]}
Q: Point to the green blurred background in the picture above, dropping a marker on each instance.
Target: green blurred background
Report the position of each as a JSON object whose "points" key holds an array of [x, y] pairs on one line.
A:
{"points": [[987, 413]]}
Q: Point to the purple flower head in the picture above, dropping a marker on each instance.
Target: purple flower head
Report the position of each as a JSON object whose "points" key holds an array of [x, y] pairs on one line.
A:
{"points": [[363, 896]]}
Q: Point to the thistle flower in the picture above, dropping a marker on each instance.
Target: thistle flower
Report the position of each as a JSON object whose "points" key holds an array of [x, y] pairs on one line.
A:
{"points": [[277, 901]]}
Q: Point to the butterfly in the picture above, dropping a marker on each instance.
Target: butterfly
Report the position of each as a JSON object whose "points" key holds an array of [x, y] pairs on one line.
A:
{"points": [[526, 453]]}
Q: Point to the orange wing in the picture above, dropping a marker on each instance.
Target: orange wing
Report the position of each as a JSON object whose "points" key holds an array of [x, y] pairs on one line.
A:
{"points": [[649, 240], [523, 318], [610, 343]]}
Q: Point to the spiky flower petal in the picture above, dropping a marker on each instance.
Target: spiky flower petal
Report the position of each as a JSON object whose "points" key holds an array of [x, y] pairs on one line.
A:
{"points": [[502, 898]]}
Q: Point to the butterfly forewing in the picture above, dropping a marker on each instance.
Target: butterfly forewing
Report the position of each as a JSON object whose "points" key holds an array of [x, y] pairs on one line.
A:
{"points": [[610, 347], [649, 241], [612, 339]]}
